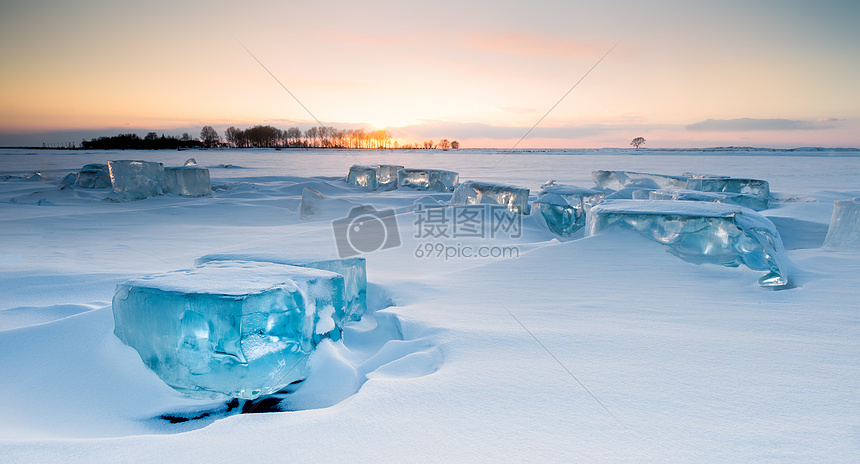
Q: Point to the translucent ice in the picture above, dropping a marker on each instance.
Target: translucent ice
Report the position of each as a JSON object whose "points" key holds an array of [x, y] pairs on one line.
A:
{"points": [[617, 180], [435, 180], [844, 231], [93, 176], [752, 193], [686, 195], [702, 233], [363, 176], [228, 328], [564, 207], [136, 180], [515, 199], [386, 175], [353, 270], [187, 180]]}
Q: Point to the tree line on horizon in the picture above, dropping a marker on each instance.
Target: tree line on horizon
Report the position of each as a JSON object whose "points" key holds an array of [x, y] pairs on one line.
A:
{"points": [[265, 136]]}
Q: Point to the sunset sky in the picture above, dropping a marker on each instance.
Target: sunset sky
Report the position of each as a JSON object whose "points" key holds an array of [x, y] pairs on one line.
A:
{"points": [[778, 73]]}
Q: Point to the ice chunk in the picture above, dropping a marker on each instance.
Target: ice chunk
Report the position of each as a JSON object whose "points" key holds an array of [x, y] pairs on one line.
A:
{"points": [[190, 162], [93, 176], [187, 180], [136, 180], [515, 199], [844, 231], [363, 176], [752, 193], [386, 175], [435, 180], [228, 328], [617, 180], [564, 207], [702, 233], [353, 270]]}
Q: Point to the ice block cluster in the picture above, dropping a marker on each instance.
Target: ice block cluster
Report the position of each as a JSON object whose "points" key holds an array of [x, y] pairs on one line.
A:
{"points": [[515, 199], [564, 207], [136, 180], [229, 328], [700, 232]]}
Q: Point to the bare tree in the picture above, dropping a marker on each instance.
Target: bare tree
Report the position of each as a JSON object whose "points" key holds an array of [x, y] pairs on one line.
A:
{"points": [[455, 144], [637, 141], [444, 144], [208, 136]]}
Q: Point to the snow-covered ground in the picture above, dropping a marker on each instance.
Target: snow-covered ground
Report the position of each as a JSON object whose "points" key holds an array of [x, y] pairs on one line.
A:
{"points": [[596, 349]]}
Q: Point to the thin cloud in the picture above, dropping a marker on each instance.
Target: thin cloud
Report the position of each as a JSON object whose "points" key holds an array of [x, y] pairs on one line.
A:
{"points": [[519, 43], [750, 124]]}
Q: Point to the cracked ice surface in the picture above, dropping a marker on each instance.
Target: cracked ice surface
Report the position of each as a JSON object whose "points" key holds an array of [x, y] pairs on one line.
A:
{"points": [[228, 328], [435, 180], [701, 232], [515, 199], [564, 207]]}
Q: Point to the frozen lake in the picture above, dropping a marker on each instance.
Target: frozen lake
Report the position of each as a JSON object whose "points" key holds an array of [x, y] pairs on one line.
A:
{"points": [[603, 348]]}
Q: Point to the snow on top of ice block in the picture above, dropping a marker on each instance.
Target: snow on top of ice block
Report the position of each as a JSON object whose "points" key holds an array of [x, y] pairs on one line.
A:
{"points": [[684, 208], [566, 189], [298, 257], [234, 278]]}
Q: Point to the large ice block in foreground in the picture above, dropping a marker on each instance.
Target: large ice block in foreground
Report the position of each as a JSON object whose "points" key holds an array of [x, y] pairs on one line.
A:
{"points": [[228, 328], [702, 233], [353, 270], [515, 199], [617, 180], [386, 175], [189, 181], [752, 193], [136, 180], [93, 176], [844, 231], [564, 207], [435, 180], [362, 176]]}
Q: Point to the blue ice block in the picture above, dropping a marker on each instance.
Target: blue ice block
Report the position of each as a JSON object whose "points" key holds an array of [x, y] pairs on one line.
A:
{"points": [[228, 328], [136, 180], [617, 180], [435, 180], [93, 176], [353, 270], [188, 180], [752, 193], [702, 232], [515, 199], [564, 207], [362, 176]]}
